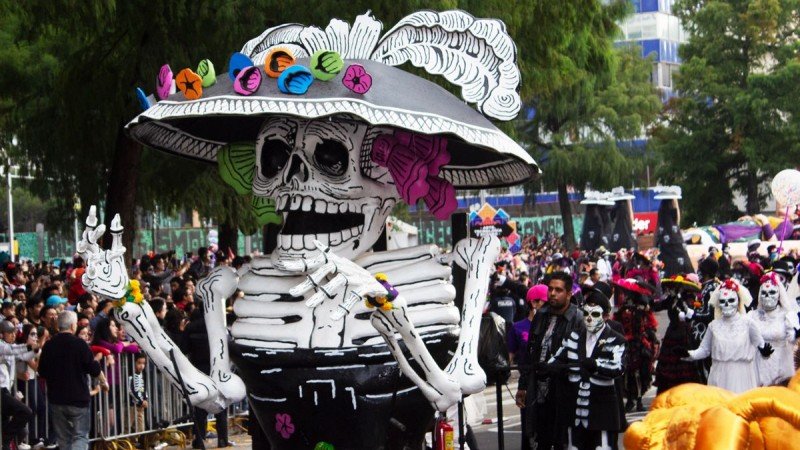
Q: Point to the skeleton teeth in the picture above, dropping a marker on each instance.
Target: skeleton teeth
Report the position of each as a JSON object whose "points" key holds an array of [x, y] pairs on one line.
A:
{"points": [[282, 201], [336, 238], [307, 202], [347, 234], [323, 238], [297, 241], [295, 204], [319, 206], [343, 207], [284, 242], [308, 241], [332, 208]]}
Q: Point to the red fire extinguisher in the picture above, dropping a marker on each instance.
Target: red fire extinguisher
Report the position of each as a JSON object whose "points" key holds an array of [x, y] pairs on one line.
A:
{"points": [[444, 435]]}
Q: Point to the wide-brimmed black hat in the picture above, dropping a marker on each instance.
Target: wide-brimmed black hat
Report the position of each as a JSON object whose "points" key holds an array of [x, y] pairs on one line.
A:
{"points": [[480, 154]]}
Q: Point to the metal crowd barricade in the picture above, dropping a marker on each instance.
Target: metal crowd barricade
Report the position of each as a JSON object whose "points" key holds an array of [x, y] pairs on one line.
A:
{"points": [[113, 414]]}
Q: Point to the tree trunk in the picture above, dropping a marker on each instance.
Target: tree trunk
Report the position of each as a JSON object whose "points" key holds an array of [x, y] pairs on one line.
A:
{"points": [[566, 216], [752, 205], [122, 184], [228, 238]]}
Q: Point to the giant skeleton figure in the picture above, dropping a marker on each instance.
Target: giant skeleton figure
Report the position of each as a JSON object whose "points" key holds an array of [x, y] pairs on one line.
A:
{"points": [[317, 363]]}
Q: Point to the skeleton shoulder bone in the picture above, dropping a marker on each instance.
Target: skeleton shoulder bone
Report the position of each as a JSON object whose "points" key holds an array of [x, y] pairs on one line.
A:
{"points": [[425, 298]]}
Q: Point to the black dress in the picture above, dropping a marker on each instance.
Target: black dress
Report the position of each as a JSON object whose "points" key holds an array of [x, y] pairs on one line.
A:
{"points": [[671, 370], [670, 241], [622, 237]]}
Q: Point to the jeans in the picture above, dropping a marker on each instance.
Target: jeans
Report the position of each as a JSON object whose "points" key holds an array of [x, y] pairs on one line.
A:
{"points": [[15, 416], [71, 424]]}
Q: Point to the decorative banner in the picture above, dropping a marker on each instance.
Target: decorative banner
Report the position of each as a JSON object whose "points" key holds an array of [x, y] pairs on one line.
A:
{"points": [[490, 221], [645, 223]]}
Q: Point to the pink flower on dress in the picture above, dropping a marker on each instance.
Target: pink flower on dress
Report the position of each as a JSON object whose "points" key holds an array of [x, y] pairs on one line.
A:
{"points": [[284, 425], [357, 79]]}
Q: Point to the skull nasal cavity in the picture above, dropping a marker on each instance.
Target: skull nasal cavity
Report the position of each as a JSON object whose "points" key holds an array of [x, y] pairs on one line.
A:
{"points": [[297, 168]]}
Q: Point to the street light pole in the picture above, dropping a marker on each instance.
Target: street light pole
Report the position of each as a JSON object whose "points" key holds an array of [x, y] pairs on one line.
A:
{"points": [[10, 214]]}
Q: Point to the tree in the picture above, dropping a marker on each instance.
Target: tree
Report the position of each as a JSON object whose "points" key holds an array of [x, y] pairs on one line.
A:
{"points": [[736, 121], [593, 96]]}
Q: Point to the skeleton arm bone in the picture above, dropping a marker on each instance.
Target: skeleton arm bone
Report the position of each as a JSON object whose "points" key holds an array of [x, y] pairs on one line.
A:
{"points": [[107, 277], [214, 290], [476, 256]]}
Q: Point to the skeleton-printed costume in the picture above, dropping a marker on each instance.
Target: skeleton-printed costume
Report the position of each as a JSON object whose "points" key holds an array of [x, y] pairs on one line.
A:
{"points": [[680, 294], [639, 323], [731, 340], [669, 238], [776, 318], [591, 359], [622, 236], [596, 221], [326, 135]]}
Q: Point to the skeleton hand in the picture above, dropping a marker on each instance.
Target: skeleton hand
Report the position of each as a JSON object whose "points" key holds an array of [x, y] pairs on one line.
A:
{"points": [[349, 276], [105, 269]]}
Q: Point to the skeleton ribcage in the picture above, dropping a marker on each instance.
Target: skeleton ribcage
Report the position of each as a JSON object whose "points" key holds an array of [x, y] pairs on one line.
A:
{"points": [[268, 317]]}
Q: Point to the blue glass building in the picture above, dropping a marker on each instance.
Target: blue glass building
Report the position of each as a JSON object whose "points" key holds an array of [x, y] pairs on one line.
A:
{"points": [[658, 32]]}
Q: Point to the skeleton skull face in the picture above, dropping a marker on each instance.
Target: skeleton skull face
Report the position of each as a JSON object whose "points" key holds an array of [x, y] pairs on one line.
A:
{"points": [[313, 170], [769, 295], [728, 302], [593, 318]]}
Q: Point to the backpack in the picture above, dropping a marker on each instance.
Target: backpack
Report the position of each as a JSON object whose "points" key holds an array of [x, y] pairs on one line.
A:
{"points": [[493, 349]]}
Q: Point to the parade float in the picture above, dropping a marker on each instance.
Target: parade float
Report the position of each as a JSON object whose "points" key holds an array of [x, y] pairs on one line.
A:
{"points": [[335, 344]]}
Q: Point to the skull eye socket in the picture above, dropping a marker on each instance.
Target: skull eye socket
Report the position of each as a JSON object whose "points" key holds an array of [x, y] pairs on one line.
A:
{"points": [[274, 155], [332, 157]]}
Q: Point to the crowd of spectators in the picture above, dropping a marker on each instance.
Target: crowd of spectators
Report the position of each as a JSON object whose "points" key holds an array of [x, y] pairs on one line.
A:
{"points": [[33, 297]]}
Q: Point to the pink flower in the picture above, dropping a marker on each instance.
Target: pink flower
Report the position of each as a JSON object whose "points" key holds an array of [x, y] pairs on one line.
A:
{"points": [[357, 79], [284, 425]]}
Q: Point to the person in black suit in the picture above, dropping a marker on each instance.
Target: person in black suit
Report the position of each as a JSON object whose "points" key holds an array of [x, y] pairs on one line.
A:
{"points": [[538, 391], [592, 359]]}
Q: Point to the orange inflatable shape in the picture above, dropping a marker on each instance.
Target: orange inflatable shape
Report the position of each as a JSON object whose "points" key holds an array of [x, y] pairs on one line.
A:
{"points": [[190, 83], [277, 60], [694, 416]]}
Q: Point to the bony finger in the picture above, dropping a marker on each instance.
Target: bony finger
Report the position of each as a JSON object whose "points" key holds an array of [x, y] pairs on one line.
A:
{"points": [[330, 289], [97, 233], [316, 299]]}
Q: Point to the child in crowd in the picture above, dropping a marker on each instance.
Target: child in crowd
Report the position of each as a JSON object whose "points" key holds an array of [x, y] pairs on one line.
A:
{"points": [[138, 394]]}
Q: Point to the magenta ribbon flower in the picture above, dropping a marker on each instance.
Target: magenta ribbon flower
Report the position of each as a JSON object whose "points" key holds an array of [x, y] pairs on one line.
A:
{"points": [[357, 79], [414, 161], [284, 425]]}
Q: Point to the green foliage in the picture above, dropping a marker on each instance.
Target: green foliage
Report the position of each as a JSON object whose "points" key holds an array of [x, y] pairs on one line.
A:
{"points": [[68, 70], [590, 96], [736, 122]]}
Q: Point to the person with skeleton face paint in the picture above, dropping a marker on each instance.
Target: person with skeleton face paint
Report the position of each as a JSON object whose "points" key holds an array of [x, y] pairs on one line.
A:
{"points": [[731, 341], [776, 318], [592, 358], [680, 293]]}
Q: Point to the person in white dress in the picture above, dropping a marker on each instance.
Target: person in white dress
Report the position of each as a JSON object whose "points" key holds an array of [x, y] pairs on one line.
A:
{"points": [[776, 318], [731, 340]]}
